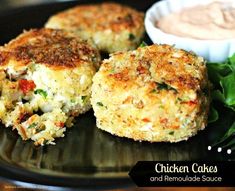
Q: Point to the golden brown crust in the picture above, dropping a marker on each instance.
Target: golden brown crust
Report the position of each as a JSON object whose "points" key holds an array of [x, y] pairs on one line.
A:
{"points": [[51, 47], [163, 63], [111, 26], [105, 16], [3, 57], [176, 67], [154, 93]]}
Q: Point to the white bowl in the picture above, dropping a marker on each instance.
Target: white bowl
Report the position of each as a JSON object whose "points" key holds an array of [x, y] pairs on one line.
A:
{"points": [[212, 50]]}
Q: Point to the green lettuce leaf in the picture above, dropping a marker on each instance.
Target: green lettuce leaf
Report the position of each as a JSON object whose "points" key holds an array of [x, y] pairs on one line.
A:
{"points": [[228, 86], [222, 75], [213, 115]]}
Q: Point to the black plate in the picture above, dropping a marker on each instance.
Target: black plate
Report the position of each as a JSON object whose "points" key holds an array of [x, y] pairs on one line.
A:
{"points": [[87, 157]]}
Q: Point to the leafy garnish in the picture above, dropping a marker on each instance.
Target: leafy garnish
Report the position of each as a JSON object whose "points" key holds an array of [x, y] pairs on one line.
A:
{"points": [[230, 132], [222, 75], [213, 115], [41, 92], [228, 89]]}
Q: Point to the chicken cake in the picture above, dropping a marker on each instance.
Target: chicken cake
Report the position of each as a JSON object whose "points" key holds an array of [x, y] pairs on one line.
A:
{"points": [[111, 26], [156, 93], [46, 77]]}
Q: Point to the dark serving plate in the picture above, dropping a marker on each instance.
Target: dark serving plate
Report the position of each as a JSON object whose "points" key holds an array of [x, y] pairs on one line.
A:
{"points": [[87, 157]]}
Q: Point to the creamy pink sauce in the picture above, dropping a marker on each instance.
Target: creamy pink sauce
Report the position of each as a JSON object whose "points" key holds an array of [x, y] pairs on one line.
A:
{"points": [[215, 21]]}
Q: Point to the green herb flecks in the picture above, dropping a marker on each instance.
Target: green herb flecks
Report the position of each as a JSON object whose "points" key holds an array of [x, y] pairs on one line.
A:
{"points": [[112, 71], [84, 98], [143, 44], [41, 92], [153, 91], [131, 36], [32, 65], [100, 104], [164, 86], [32, 125], [40, 128], [171, 133], [179, 99]]}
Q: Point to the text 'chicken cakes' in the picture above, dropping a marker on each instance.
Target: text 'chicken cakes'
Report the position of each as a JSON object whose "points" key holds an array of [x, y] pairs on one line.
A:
{"points": [[112, 27], [155, 93], [46, 78]]}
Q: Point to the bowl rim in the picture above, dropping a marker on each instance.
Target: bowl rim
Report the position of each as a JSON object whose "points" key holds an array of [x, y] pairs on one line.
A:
{"points": [[151, 28]]}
